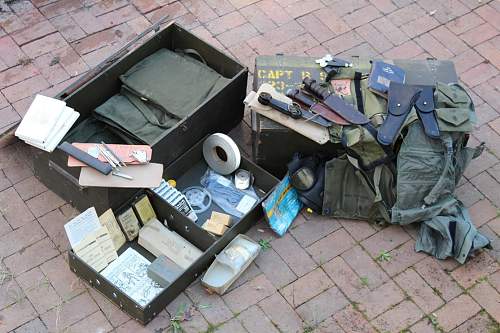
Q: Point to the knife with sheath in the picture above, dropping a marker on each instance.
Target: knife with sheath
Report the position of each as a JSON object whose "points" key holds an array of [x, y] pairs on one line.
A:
{"points": [[335, 103], [347, 111], [293, 110], [307, 101]]}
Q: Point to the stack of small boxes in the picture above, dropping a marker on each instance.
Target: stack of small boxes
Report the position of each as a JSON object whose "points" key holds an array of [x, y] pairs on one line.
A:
{"points": [[218, 223]]}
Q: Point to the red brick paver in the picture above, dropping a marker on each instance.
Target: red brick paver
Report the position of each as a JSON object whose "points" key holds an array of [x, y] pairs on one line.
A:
{"points": [[323, 276]]}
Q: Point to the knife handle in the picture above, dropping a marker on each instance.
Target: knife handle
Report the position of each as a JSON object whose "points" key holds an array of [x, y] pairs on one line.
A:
{"points": [[315, 88], [82, 156], [299, 97]]}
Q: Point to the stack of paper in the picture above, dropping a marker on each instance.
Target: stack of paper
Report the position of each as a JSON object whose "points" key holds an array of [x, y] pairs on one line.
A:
{"points": [[46, 123], [129, 274], [91, 241]]}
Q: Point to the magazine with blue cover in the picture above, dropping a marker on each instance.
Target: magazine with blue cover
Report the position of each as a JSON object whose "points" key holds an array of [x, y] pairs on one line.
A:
{"points": [[282, 206]]}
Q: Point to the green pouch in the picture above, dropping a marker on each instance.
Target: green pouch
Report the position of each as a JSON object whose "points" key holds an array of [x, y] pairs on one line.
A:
{"points": [[122, 114], [174, 83], [354, 194], [451, 96], [344, 194], [454, 119], [359, 140], [454, 108]]}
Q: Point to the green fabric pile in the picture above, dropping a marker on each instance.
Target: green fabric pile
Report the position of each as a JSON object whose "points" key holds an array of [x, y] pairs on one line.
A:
{"points": [[155, 95], [417, 186]]}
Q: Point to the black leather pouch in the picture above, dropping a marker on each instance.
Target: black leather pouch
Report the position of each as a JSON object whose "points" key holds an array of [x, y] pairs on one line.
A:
{"points": [[425, 110], [401, 99]]}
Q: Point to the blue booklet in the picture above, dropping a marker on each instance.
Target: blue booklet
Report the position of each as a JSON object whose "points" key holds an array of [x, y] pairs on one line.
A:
{"points": [[381, 76]]}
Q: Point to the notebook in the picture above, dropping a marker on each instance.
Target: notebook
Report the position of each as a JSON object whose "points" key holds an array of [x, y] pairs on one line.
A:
{"points": [[381, 76]]}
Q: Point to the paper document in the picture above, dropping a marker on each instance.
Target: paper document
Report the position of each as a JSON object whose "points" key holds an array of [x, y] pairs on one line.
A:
{"points": [[108, 220], [90, 251], [84, 224], [46, 123], [40, 119], [129, 274], [96, 249], [91, 241], [66, 121]]}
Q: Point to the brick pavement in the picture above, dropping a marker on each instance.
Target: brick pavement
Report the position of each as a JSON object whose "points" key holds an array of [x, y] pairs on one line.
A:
{"points": [[322, 276]]}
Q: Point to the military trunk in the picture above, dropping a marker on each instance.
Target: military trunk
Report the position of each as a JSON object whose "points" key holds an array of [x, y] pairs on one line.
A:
{"points": [[219, 113], [178, 148]]}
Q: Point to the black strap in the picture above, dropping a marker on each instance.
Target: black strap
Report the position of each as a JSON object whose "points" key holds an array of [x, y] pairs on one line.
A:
{"points": [[357, 89]]}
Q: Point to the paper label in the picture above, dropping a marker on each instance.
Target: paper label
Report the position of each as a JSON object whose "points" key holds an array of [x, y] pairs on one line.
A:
{"points": [[246, 203], [383, 80], [96, 249], [106, 244], [93, 256], [341, 87]]}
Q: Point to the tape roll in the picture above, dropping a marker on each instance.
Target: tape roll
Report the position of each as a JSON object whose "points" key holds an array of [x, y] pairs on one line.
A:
{"points": [[221, 153], [242, 179]]}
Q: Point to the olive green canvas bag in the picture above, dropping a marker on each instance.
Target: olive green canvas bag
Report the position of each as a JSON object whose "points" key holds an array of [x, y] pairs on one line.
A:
{"points": [[157, 93]]}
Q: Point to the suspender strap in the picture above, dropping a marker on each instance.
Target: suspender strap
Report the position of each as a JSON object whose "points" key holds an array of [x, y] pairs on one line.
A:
{"points": [[357, 88]]}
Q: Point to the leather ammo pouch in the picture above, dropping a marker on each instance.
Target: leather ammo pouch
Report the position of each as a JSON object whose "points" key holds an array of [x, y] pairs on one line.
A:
{"points": [[425, 110], [401, 100]]}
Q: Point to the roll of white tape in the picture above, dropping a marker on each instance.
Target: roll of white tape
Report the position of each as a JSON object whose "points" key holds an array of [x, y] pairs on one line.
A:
{"points": [[221, 153]]}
